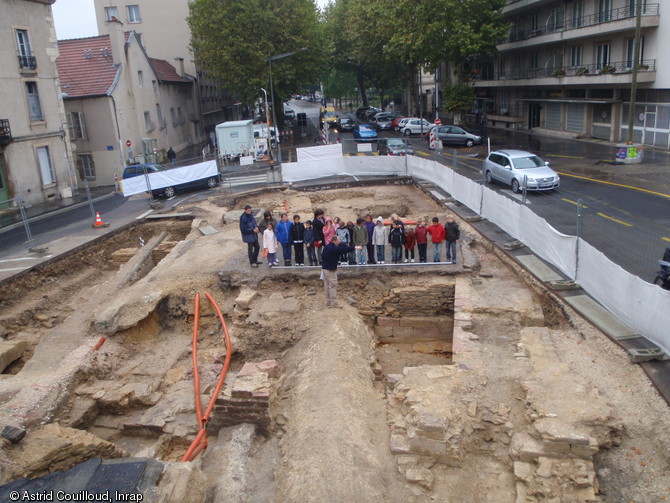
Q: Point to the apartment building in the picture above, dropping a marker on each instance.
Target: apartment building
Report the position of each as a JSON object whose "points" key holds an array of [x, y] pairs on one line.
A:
{"points": [[164, 32], [566, 67], [34, 145], [122, 105]]}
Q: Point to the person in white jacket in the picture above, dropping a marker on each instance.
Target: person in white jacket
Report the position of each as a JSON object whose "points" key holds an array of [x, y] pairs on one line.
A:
{"points": [[379, 238], [270, 244]]}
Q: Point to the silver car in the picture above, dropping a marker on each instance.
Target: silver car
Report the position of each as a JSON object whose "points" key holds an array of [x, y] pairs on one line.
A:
{"points": [[414, 126], [513, 167]]}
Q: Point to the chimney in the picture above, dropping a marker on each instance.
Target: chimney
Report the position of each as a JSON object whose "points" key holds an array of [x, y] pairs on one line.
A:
{"points": [[180, 66], [117, 39]]}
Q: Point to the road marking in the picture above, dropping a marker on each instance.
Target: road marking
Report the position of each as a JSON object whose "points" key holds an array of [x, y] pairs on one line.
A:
{"points": [[15, 269], [667, 196], [425, 154], [614, 219], [25, 258], [666, 239], [144, 214], [565, 156], [573, 202]]}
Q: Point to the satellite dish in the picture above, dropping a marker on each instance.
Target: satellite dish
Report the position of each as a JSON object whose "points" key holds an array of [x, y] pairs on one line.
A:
{"points": [[73, 146]]}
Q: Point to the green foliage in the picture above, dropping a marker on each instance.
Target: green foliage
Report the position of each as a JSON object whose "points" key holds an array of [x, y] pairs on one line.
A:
{"points": [[233, 39], [458, 97]]}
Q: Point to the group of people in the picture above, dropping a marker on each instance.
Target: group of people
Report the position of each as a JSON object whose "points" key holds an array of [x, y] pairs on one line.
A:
{"points": [[360, 243]]}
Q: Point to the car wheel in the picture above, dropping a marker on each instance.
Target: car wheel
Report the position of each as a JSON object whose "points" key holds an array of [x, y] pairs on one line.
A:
{"points": [[169, 192], [515, 186], [211, 183], [469, 143], [489, 177], [407, 132]]}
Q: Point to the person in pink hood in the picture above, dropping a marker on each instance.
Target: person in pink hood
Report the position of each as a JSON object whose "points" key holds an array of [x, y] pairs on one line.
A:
{"points": [[328, 231]]}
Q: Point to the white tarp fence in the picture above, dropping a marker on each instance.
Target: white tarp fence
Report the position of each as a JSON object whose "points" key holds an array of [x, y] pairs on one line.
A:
{"points": [[638, 304], [169, 178], [319, 152]]}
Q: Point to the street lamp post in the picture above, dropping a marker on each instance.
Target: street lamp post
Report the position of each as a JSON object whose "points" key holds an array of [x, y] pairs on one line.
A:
{"points": [[267, 122], [272, 94]]}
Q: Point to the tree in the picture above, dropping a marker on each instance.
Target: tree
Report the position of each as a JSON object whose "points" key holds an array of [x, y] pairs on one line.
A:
{"points": [[233, 40]]}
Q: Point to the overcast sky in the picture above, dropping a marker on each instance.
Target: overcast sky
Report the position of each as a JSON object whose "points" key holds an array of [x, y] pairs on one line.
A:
{"points": [[76, 18]]}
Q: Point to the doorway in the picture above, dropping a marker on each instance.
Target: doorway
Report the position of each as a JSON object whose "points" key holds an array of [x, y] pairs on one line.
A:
{"points": [[534, 115], [4, 191]]}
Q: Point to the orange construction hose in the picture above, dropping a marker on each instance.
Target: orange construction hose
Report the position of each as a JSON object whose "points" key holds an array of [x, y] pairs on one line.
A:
{"points": [[200, 441]]}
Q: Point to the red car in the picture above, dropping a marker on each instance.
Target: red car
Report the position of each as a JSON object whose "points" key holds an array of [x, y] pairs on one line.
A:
{"points": [[395, 122]]}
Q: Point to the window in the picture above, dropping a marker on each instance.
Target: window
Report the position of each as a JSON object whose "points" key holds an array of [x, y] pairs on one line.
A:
{"points": [[181, 117], [602, 55], [576, 53], [86, 166], [533, 60], [75, 122], [534, 23], [46, 169], [630, 51], [605, 10], [578, 14], [111, 13], [133, 13], [140, 78], [155, 86], [159, 114], [34, 102], [147, 122], [174, 117], [26, 59], [554, 20]]}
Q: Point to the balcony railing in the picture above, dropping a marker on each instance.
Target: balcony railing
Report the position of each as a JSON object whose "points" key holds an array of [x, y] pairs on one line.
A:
{"points": [[618, 67], [583, 22], [27, 62], [5, 131]]}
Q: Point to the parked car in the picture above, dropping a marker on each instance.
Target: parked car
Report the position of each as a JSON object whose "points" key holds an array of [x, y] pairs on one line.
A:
{"points": [[360, 112], [289, 114], [380, 123], [184, 174], [511, 166], [394, 146], [414, 126], [403, 121], [455, 135], [363, 132], [370, 112], [346, 124], [329, 116], [396, 121]]}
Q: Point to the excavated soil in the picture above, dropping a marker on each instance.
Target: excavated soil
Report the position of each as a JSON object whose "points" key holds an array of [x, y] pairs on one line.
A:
{"points": [[528, 403]]}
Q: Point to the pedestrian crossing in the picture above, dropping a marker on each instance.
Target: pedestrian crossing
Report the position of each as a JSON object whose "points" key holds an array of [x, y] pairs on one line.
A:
{"points": [[245, 180]]}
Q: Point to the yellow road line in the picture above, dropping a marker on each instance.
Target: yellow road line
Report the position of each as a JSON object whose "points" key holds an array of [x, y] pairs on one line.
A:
{"points": [[666, 239], [565, 156], [573, 202], [422, 153], [614, 219], [667, 196]]}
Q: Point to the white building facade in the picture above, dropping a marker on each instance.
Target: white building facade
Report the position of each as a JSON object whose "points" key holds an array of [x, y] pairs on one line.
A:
{"points": [[567, 65]]}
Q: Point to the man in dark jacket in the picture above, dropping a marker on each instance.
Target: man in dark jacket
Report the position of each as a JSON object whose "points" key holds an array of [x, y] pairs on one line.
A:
{"points": [[249, 231], [318, 224], [453, 234], [330, 258]]}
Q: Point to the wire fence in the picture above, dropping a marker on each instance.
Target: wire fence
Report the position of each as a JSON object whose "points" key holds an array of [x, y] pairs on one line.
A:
{"points": [[14, 226]]}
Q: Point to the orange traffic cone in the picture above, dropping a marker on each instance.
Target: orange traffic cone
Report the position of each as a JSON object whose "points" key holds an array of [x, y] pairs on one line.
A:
{"points": [[98, 221]]}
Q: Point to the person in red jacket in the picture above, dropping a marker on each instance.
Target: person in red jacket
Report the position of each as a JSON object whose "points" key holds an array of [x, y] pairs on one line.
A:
{"points": [[410, 241], [437, 235], [421, 232]]}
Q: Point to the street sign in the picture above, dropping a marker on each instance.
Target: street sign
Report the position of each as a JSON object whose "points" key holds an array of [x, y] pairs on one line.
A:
{"points": [[438, 122], [128, 144]]}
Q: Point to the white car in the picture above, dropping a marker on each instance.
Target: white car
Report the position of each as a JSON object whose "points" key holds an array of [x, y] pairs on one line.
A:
{"points": [[402, 122], [512, 167], [414, 126]]}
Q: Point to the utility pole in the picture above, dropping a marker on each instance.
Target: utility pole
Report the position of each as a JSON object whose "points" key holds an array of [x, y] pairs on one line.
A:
{"points": [[636, 64]]}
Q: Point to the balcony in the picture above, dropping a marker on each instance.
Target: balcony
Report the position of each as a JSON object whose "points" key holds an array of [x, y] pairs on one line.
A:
{"points": [[5, 132], [618, 72], [27, 62], [619, 19]]}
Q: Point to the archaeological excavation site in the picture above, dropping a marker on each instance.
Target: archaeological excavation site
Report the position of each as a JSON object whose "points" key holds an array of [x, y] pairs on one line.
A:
{"points": [[461, 383]]}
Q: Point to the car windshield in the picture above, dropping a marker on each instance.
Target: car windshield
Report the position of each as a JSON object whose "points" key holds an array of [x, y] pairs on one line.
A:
{"points": [[329, 114], [345, 121], [364, 129], [529, 162], [395, 143]]}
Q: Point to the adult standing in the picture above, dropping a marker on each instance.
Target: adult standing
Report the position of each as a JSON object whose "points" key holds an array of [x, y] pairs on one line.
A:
{"points": [[318, 223], [249, 231], [330, 258], [484, 124], [453, 234], [171, 155], [370, 226]]}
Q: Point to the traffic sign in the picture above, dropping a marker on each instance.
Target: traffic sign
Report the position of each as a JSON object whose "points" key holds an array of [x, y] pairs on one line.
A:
{"points": [[438, 122], [128, 144]]}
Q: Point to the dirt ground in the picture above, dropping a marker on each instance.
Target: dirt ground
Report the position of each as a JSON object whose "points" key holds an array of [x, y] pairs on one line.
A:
{"points": [[530, 404]]}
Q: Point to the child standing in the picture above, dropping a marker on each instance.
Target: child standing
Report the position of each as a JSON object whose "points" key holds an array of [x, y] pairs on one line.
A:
{"points": [[410, 240], [436, 232], [361, 242], [352, 254], [328, 231], [453, 234], [283, 233], [297, 238], [379, 236], [270, 243], [308, 239], [421, 233], [345, 239], [396, 238], [318, 223]]}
